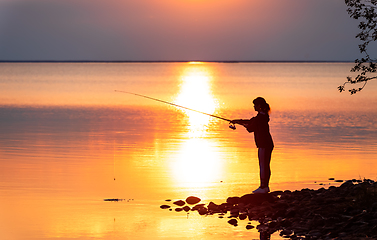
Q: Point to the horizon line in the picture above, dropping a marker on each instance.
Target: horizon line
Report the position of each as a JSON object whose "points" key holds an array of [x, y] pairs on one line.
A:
{"points": [[177, 61]]}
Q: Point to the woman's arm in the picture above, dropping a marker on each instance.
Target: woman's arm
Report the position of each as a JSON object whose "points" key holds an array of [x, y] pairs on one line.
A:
{"points": [[249, 124], [242, 122]]}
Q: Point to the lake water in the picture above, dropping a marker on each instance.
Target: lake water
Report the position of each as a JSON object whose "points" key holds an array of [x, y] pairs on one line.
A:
{"points": [[68, 141]]}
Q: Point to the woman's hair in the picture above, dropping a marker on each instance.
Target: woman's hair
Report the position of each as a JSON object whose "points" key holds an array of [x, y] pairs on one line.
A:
{"points": [[265, 107]]}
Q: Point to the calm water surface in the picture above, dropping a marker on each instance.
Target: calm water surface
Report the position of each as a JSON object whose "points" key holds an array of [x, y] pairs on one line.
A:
{"points": [[68, 141]]}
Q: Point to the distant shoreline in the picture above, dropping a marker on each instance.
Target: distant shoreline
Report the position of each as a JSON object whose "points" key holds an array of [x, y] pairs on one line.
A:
{"points": [[178, 61]]}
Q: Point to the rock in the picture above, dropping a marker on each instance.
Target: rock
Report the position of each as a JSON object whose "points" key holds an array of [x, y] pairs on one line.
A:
{"points": [[164, 206], [233, 200], [279, 212], [348, 211], [262, 228], [186, 208], [193, 200], [347, 184], [203, 211], [286, 232], [213, 207], [224, 207], [197, 207], [233, 222], [291, 213], [276, 193], [248, 227], [234, 212], [179, 203], [242, 216], [257, 199], [179, 209]]}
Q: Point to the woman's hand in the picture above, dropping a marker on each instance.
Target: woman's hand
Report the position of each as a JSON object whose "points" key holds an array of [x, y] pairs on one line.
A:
{"points": [[243, 122]]}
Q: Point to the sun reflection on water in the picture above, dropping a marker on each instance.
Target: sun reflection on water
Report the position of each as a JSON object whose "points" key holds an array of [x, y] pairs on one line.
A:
{"points": [[196, 94], [198, 163]]}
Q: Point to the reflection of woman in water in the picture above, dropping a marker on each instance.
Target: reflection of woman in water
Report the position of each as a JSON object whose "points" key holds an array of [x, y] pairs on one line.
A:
{"points": [[263, 140]]}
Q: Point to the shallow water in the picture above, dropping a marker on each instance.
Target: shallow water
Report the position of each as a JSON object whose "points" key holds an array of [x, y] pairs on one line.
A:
{"points": [[68, 141]]}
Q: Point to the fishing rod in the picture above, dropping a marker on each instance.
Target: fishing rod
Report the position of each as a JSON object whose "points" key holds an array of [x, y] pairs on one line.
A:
{"points": [[232, 126]]}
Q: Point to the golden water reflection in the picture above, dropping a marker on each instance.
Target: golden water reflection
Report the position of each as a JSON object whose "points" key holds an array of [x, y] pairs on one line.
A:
{"points": [[198, 162], [195, 93]]}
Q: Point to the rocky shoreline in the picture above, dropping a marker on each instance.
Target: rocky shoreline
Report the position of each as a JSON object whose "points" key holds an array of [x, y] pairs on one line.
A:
{"points": [[345, 212]]}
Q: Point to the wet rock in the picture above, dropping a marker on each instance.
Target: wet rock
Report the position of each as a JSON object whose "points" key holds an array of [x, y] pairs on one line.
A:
{"points": [[203, 211], [233, 200], [213, 207], [193, 200], [113, 199], [262, 228], [197, 207], [345, 212], [286, 232], [279, 212], [248, 227], [257, 199], [186, 208], [179, 203], [242, 216], [291, 213], [347, 184], [233, 222], [234, 212]]}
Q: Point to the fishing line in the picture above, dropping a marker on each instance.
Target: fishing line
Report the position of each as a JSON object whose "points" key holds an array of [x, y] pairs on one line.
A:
{"points": [[232, 126], [114, 155]]}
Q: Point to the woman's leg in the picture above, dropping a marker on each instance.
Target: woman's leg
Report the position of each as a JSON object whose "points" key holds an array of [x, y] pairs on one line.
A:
{"points": [[264, 155]]}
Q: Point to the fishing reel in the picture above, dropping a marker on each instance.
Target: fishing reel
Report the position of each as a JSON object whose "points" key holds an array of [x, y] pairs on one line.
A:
{"points": [[232, 126]]}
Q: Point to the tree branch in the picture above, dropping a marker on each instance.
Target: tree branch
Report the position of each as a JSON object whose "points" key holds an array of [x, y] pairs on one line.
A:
{"points": [[366, 10]]}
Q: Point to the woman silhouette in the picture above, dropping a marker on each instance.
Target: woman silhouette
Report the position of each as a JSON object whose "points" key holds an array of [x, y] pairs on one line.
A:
{"points": [[263, 140]]}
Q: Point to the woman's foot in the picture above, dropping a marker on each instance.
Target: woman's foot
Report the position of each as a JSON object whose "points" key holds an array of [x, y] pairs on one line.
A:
{"points": [[262, 190]]}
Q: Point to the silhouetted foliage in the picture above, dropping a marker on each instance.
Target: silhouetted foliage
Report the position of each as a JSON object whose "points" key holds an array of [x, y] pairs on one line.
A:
{"points": [[366, 12]]}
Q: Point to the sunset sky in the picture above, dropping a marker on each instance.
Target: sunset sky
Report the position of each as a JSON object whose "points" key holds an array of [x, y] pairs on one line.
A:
{"points": [[177, 30]]}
